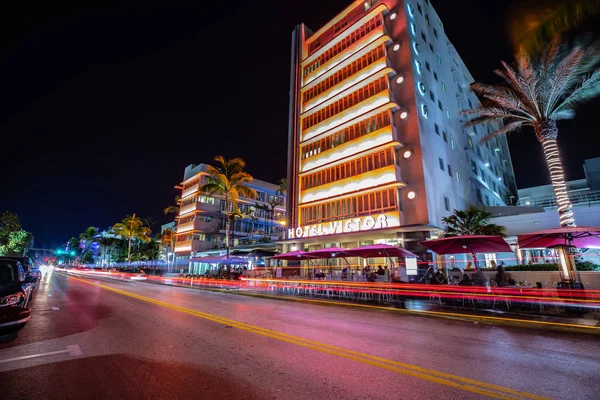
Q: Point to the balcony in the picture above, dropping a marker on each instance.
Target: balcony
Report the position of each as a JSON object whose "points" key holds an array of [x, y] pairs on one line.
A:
{"points": [[191, 190], [359, 145], [371, 179], [579, 198], [198, 225], [197, 206], [185, 245]]}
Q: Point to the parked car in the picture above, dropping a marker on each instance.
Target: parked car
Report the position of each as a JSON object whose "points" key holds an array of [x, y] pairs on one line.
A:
{"points": [[15, 292], [28, 266], [134, 274]]}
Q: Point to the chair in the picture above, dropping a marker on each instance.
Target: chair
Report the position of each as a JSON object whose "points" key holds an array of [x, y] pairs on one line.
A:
{"points": [[506, 300]]}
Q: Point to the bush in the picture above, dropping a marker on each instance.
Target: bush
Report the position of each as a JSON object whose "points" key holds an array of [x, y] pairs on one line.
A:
{"points": [[581, 266]]}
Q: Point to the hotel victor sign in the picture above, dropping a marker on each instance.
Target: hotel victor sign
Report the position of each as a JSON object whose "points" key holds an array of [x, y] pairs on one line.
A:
{"points": [[344, 226]]}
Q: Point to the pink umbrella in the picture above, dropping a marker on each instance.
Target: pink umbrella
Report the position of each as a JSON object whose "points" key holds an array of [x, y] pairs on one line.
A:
{"points": [[329, 252], [293, 255], [379, 250], [578, 236], [468, 244]]}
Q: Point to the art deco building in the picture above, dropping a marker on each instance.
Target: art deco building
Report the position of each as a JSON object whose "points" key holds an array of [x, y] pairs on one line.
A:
{"points": [[377, 149], [201, 220]]}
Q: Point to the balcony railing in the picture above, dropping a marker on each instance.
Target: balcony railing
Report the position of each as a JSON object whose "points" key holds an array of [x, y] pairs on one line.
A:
{"points": [[578, 198]]}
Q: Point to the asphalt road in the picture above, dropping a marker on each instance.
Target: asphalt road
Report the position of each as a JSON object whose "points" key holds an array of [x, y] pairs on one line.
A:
{"points": [[93, 339]]}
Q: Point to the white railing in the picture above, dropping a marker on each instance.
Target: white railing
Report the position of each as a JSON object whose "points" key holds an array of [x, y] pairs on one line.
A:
{"points": [[578, 198]]}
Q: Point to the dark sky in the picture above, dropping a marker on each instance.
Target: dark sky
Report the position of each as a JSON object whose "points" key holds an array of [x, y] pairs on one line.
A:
{"points": [[104, 106]]}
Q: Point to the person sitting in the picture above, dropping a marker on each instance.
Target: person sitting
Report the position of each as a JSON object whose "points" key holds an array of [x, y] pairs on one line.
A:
{"points": [[501, 276], [468, 266], [380, 271], [465, 281]]}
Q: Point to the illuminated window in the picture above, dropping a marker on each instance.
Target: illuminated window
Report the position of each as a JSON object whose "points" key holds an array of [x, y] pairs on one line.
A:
{"points": [[413, 29], [452, 143], [424, 110], [448, 113], [422, 88], [411, 10], [457, 176], [443, 86], [439, 57]]}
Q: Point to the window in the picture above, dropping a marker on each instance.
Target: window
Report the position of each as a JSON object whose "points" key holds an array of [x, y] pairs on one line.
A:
{"points": [[432, 96], [427, 66], [446, 203], [437, 129], [470, 142], [411, 10], [440, 105], [439, 57], [416, 47], [445, 136], [418, 66], [435, 33], [427, 19], [474, 167], [430, 47], [423, 37], [457, 173], [443, 86], [424, 110], [441, 161], [452, 143], [487, 200], [413, 29], [419, 8], [447, 113], [435, 76], [478, 194], [450, 170], [422, 89]]}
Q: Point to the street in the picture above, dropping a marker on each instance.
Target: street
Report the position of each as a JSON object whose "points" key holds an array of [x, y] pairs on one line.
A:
{"points": [[111, 339]]}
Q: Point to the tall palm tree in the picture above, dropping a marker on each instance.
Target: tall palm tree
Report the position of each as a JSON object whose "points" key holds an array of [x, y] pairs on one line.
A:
{"points": [[173, 209], [132, 227], [228, 179], [282, 190], [270, 209], [167, 238], [536, 22], [472, 221], [538, 92], [106, 243], [88, 237]]}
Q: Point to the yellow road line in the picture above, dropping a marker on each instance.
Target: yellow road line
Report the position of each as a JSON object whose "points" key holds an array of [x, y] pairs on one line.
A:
{"points": [[454, 381]]}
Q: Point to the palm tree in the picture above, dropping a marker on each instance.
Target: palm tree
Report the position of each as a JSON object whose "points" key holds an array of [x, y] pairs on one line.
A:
{"points": [[233, 216], [88, 237], [472, 221], [270, 209], [228, 179], [535, 22], [167, 238], [282, 190], [132, 227], [174, 209], [538, 92]]}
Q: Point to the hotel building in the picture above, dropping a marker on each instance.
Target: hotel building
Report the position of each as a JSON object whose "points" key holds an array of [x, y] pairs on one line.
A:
{"points": [[377, 151], [201, 220]]}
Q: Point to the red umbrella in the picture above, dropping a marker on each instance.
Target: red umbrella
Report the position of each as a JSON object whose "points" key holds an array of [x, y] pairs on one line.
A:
{"points": [[467, 244], [329, 252], [379, 250], [293, 255], [578, 236]]}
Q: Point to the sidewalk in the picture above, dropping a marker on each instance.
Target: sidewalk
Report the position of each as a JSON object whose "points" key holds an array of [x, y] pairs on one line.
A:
{"points": [[565, 322]]}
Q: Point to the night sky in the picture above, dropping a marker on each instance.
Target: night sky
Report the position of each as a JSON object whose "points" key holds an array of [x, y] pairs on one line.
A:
{"points": [[104, 106]]}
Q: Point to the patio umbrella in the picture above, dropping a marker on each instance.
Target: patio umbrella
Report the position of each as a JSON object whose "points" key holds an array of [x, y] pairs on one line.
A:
{"points": [[329, 252], [293, 255], [578, 236], [561, 238], [379, 250], [468, 244]]}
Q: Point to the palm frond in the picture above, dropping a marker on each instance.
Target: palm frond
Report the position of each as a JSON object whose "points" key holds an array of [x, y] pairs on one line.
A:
{"points": [[513, 126], [588, 89], [562, 78]]}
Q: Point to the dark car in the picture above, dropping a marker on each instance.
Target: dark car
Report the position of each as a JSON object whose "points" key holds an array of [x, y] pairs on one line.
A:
{"points": [[15, 291], [28, 266]]}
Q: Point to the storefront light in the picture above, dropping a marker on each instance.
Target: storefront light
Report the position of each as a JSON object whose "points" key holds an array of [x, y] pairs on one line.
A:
{"points": [[411, 195], [407, 154], [393, 16]]}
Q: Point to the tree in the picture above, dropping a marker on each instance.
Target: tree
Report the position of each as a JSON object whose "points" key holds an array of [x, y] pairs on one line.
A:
{"points": [[472, 221], [535, 22], [167, 238], [173, 209], [87, 237], [132, 227], [270, 209], [106, 243], [282, 190], [228, 179], [14, 241], [537, 93]]}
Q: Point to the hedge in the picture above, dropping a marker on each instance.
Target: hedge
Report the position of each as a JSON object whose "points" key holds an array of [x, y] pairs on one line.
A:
{"points": [[581, 266]]}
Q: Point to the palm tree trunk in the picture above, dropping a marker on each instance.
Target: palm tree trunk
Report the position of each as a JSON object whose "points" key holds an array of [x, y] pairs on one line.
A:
{"points": [[546, 133], [227, 223], [129, 251]]}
